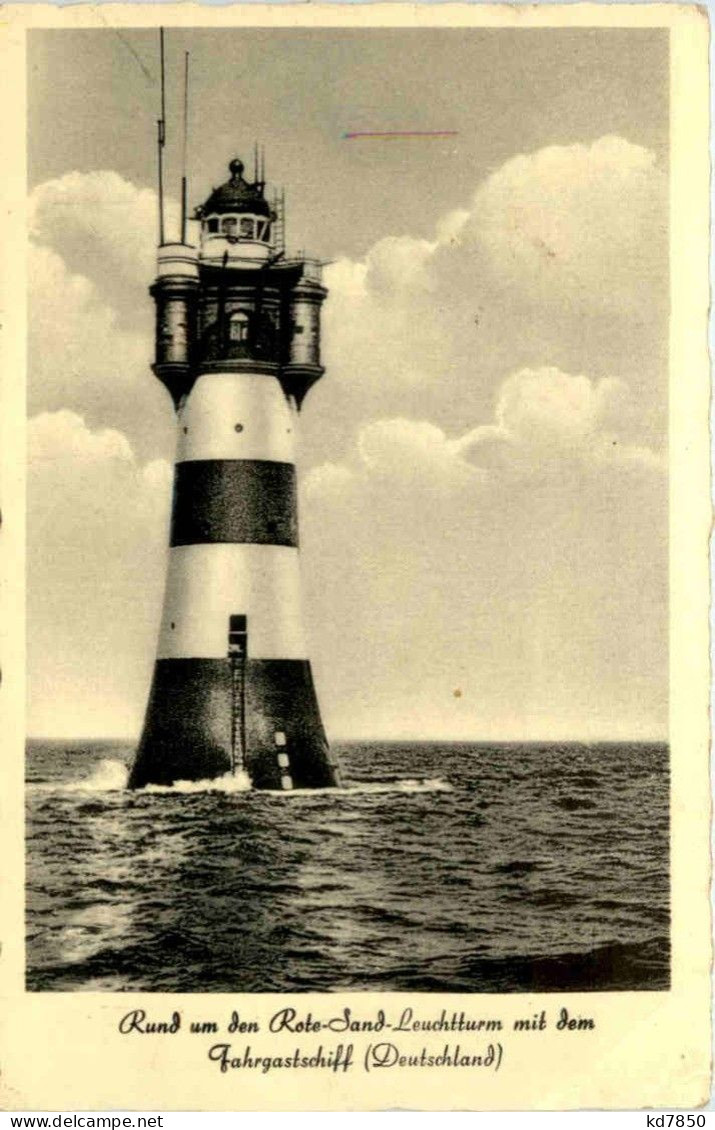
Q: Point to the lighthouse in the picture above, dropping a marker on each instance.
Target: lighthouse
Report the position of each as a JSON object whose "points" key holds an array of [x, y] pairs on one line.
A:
{"points": [[237, 348]]}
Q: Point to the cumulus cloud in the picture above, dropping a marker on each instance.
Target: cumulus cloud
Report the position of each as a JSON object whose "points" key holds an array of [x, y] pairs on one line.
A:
{"points": [[409, 450], [577, 221], [78, 350], [63, 435], [544, 422], [91, 322], [557, 261], [102, 226], [96, 554], [544, 417], [584, 221]]}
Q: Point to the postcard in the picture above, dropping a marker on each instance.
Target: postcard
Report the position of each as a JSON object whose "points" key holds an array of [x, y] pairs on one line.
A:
{"points": [[355, 586]]}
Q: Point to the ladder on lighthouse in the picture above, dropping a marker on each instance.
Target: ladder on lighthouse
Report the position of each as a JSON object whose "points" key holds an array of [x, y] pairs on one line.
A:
{"points": [[237, 651], [279, 224]]}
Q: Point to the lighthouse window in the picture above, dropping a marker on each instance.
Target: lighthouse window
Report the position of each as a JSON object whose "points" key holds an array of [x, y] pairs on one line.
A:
{"points": [[246, 228], [212, 225], [238, 326], [228, 226]]}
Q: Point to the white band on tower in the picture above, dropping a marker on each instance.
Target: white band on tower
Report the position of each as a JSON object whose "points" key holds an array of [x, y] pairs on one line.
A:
{"points": [[207, 583], [239, 415]]}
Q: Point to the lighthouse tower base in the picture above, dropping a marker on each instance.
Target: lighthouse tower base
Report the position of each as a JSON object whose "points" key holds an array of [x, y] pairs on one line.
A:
{"points": [[195, 726]]}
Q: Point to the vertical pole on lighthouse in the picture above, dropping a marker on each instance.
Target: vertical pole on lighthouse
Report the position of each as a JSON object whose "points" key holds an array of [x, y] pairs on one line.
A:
{"points": [[161, 139], [184, 203]]}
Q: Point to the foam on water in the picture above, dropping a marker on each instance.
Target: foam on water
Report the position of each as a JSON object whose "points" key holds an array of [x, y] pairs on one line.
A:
{"points": [[108, 776], [112, 776], [229, 783], [241, 783], [404, 785]]}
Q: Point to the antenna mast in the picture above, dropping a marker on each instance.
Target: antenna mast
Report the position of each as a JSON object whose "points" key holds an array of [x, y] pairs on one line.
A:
{"points": [[184, 206], [161, 139]]}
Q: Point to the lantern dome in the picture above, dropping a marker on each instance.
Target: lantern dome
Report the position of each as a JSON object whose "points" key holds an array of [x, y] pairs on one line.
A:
{"points": [[237, 195]]}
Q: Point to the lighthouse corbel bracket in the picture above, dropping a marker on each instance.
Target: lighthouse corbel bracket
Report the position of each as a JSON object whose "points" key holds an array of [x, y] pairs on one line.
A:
{"points": [[177, 377], [297, 380]]}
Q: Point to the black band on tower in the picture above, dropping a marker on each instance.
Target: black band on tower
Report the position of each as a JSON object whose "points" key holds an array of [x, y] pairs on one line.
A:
{"points": [[234, 500]]}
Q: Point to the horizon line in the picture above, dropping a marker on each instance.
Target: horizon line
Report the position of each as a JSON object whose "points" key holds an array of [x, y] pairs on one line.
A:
{"points": [[421, 740]]}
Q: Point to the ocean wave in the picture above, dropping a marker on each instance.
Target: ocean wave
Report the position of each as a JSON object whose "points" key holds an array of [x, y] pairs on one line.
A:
{"points": [[229, 783], [241, 782], [107, 777], [400, 785], [112, 776], [432, 870]]}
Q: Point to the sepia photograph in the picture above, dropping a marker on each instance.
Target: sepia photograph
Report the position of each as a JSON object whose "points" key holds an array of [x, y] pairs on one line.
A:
{"points": [[347, 619], [412, 286], [355, 510]]}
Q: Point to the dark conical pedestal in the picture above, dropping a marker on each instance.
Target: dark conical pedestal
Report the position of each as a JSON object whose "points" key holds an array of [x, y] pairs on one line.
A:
{"points": [[191, 728]]}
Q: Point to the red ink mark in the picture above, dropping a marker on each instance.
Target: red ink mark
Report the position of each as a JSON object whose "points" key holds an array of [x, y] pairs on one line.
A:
{"points": [[400, 133]]}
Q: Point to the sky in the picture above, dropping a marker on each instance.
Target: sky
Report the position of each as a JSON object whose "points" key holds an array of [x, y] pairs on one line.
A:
{"points": [[483, 496]]}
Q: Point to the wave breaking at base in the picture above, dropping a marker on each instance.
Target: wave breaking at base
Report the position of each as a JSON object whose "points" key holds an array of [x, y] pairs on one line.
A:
{"points": [[229, 783], [111, 776]]}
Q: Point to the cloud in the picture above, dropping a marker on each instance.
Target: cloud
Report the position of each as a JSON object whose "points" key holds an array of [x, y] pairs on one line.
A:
{"points": [[84, 353], [63, 435], [105, 227], [402, 479], [578, 221], [96, 553], [78, 350], [400, 453], [559, 260], [411, 451], [586, 222], [544, 422], [544, 417], [98, 488], [396, 266]]}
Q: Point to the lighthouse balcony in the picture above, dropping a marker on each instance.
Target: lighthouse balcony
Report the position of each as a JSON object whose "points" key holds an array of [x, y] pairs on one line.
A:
{"points": [[243, 253], [245, 239]]}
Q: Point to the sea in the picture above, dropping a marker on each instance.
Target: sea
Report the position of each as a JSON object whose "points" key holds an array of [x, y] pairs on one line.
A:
{"points": [[437, 867]]}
